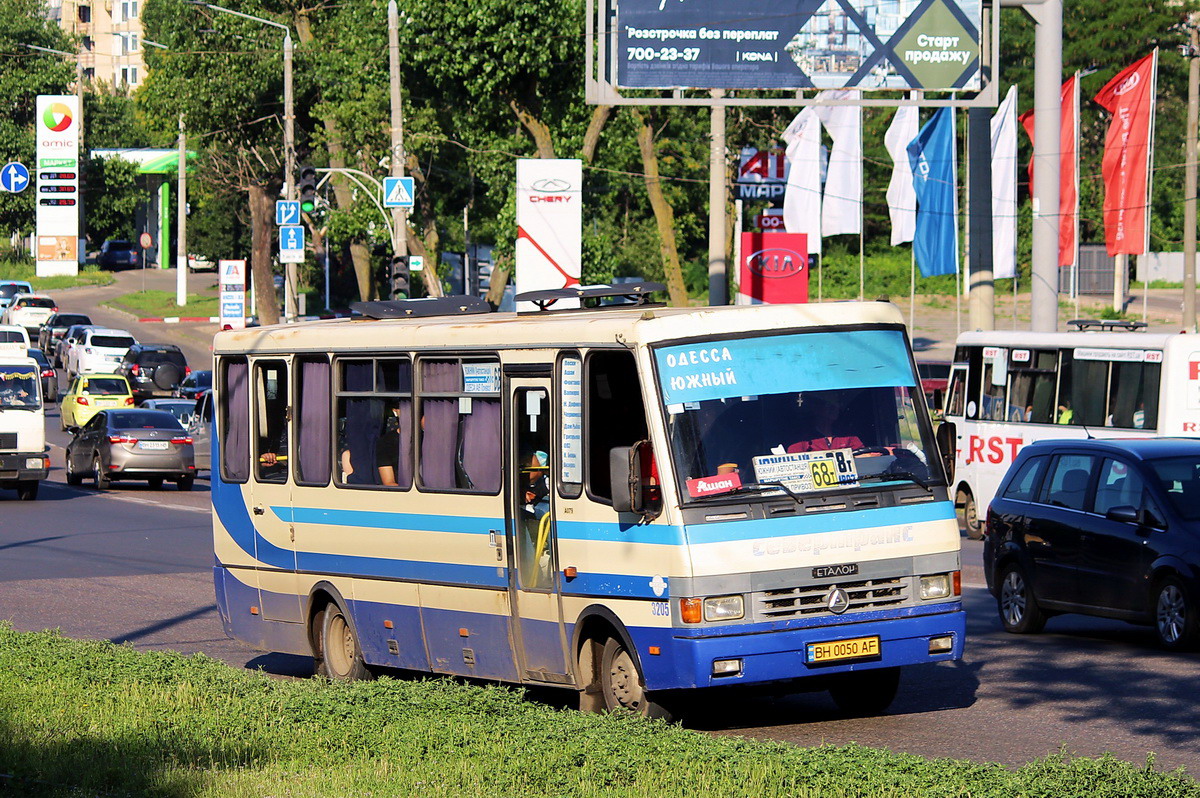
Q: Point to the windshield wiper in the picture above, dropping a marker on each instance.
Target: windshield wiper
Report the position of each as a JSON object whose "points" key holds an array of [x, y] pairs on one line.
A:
{"points": [[890, 476], [753, 486]]}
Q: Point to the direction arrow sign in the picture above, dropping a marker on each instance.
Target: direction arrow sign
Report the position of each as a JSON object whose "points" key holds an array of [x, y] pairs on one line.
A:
{"points": [[287, 212], [291, 244], [14, 177], [398, 192]]}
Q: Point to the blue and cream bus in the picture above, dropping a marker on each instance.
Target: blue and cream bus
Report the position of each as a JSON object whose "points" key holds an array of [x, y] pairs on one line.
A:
{"points": [[627, 502]]}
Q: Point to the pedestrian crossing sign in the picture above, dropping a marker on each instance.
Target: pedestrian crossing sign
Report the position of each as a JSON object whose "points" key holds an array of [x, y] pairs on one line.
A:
{"points": [[397, 192]]}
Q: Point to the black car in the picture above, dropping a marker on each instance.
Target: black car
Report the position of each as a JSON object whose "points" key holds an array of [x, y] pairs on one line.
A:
{"points": [[1099, 527], [194, 384], [153, 369], [49, 376], [54, 328]]}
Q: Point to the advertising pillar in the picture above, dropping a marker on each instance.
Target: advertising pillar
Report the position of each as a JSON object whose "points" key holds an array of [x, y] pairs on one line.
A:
{"points": [[57, 130], [549, 250]]}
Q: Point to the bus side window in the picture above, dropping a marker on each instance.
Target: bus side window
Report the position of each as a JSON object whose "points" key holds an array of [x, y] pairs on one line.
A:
{"points": [[461, 436], [613, 414], [235, 420], [312, 424], [271, 422], [958, 393]]}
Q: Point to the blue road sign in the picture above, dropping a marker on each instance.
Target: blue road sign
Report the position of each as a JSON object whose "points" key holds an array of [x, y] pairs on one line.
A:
{"points": [[14, 177], [291, 244], [287, 212], [398, 192]]}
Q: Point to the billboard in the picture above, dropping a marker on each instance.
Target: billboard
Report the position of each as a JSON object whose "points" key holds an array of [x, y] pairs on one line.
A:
{"points": [[930, 45], [57, 168], [549, 248], [774, 268]]}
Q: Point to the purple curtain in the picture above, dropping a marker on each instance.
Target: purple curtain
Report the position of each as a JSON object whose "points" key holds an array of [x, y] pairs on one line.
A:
{"points": [[313, 440], [481, 445], [404, 466], [364, 422], [235, 448], [441, 376], [439, 443]]}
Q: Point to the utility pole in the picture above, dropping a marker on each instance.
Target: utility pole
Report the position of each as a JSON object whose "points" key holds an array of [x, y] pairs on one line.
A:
{"points": [[1047, 121], [399, 215], [717, 280], [289, 169], [1189, 180], [181, 249]]}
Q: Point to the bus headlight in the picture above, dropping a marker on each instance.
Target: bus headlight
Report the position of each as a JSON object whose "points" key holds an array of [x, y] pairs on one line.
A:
{"points": [[724, 608], [935, 587]]}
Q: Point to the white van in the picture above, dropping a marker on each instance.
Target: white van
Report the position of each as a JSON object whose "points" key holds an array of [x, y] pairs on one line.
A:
{"points": [[24, 461]]}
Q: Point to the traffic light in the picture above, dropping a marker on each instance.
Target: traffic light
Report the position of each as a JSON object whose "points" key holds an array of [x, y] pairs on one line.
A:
{"points": [[307, 188], [400, 289]]}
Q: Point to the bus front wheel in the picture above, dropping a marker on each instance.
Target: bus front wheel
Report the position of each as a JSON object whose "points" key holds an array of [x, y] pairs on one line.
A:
{"points": [[970, 514], [341, 656], [621, 683]]}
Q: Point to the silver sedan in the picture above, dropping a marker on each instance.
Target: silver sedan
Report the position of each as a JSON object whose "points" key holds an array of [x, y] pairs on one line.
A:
{"points": [[132, 444]]}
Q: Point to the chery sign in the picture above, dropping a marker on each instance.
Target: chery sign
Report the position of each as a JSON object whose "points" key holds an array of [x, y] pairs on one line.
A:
{"points": [[549, 226], [57, 171], [774, 268]]}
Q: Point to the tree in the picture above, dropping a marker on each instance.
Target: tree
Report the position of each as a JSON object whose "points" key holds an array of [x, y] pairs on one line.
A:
{"points": [[24, 74]]}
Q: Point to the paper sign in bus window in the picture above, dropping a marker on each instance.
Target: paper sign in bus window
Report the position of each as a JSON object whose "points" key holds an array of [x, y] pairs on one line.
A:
{"points": [[808, 471]]}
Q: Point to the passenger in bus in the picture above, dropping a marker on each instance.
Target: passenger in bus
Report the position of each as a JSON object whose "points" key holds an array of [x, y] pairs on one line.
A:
{"points": [[387, 450], [824, 417], [1065, 414]]}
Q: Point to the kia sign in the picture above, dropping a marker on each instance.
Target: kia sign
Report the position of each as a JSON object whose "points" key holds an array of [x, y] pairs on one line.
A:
{"points": [[798, 44], [57, 173], [774, 268], [549, 226]]}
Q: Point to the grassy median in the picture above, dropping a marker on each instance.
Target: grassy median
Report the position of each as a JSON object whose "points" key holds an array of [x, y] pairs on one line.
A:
{"points": [[161, 304], [91, 718], [25, 270]]}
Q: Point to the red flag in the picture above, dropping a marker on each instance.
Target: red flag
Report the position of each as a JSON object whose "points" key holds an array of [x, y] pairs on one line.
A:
{"points": [[1129, 97], [1068, 185]]}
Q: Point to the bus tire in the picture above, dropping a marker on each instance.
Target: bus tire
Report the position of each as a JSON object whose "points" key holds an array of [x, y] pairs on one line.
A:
{"points": [[1019, 610], [622, 685], [27, 490], [587, 666], [970, 515], [866, 692], [342, 658]]}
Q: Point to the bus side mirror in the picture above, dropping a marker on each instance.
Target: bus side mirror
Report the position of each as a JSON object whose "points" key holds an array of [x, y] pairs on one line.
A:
{"points": [[946, 443], [633, 480]]}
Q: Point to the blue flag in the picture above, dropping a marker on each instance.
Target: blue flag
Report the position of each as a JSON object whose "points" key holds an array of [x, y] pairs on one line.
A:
{"points": [[935, 179]]}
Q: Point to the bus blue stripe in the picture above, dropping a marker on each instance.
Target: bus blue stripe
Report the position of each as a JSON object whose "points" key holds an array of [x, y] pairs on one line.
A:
{"points": [[730, 531]]}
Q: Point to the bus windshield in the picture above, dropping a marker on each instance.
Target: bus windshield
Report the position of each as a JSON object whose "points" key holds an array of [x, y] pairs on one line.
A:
{"points": [[809, 411], [19, 388]]}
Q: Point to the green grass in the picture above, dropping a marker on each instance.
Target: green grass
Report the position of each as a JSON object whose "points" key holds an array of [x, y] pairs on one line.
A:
{"points": [[159, 304], [25, 270], [89, 718]]}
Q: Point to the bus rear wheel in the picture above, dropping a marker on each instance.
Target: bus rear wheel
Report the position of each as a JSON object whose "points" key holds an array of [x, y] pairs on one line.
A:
{"points": [[621, 683], [970, 514], [341, 656]]}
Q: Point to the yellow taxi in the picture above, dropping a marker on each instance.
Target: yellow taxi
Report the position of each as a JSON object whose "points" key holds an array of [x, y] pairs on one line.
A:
{"points": [[91, 393]]}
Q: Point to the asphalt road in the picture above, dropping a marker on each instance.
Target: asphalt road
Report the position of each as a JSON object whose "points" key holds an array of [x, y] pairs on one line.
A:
{"points": [[134, 566]]}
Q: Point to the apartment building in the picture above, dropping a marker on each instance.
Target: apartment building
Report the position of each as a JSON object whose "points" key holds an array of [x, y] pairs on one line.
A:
{"points": [[110, 35]]}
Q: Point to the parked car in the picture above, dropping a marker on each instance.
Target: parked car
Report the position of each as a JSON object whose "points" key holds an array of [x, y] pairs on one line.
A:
{"points": [[153, 369], [10, 288], [1099, 527], [199, 263], [180, 408], [30, 311], [99, 350], [131, 444], [13, 337], [54, 329], [49, 375], [72, 336], [194, 384], [88, 394], [200, 428], [117, 255]]}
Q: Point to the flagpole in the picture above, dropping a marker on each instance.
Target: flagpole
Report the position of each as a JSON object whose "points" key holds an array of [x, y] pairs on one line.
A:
{"points": [[912, 290], [862, 270], [1149, 181]]}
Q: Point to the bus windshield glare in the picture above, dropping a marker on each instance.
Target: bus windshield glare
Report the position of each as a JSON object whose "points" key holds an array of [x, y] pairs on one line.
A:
{"points": [[810, 411]]}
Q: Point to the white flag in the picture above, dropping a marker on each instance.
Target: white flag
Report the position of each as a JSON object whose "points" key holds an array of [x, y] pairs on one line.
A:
{"points": [[901, 197], [841, 211], [802, 198], [1004, 188]]}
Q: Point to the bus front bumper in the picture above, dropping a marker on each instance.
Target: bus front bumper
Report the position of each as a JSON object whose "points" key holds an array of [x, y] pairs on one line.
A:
{"points": [[23, 467], [762, 654]]}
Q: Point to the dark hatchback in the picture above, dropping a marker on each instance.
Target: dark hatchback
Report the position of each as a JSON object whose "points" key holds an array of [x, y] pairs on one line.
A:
{"points": [[153, 369], [54, 328], [1099, 527], [49, 376]]}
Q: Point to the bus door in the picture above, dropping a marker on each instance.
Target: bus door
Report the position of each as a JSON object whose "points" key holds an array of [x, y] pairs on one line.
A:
{"points": [[271, 490], [539, 637]]}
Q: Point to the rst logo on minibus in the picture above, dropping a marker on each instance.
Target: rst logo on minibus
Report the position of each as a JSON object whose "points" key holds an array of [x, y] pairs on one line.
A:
{"points": [[992, 449]]}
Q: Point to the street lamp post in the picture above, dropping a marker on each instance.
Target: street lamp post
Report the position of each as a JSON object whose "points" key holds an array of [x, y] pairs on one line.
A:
{"points": [[181, 248], [289, 138]]}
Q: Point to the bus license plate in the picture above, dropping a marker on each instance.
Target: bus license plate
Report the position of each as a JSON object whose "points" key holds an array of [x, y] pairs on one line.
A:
{"points": [[854, 648]]}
